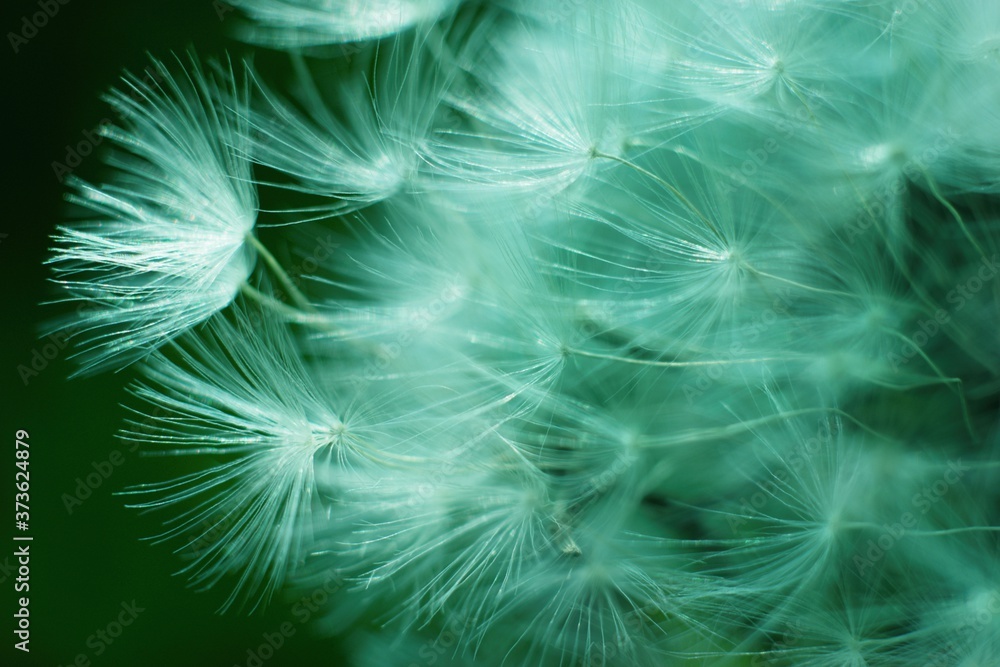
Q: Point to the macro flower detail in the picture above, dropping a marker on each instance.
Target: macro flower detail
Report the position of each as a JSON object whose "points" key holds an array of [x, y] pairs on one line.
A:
{"points": [[294, 24], [244, 397], [594, 333], [166, 244]]}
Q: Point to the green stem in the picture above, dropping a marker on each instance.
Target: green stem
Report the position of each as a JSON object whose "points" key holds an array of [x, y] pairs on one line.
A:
{"points": [[677, 193], [290, 313], [700, 436], [954, 384], [924, 533], [279, 272], [951, 209], [794, 283], [677, 364]]}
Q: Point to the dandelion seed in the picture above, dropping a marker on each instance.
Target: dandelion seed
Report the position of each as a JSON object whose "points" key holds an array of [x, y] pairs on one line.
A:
{"points": [[291, 24], [167, 246], [245, 397], [656, 333]]}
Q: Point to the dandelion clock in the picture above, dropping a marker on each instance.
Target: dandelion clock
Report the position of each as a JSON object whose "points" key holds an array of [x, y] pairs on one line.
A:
{"points": [[168, 242], [593, 333]]}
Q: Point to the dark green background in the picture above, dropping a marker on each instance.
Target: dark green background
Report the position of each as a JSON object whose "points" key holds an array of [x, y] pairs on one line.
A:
{"points": [[85, 565]]}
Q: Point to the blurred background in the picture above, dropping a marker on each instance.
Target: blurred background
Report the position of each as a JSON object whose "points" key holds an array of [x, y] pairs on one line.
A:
{"points": [[87, 557]]}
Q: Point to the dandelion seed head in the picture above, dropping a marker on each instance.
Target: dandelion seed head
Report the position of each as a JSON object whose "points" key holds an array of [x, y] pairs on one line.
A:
{"points": [[629, 332], [292, 24], [880, 156], [166, 248]]}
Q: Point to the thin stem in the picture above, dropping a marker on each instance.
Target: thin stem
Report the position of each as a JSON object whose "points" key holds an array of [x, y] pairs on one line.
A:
{"points": [[279, 272], [955, 384], [677, 193], [955, 531], [675, 364], [288, 312], [717, 433], [861, 525], [951, 209], [789, 281]]}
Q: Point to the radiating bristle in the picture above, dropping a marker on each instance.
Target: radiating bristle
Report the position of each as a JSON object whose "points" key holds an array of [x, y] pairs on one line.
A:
{"points": [[579, 333]]}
